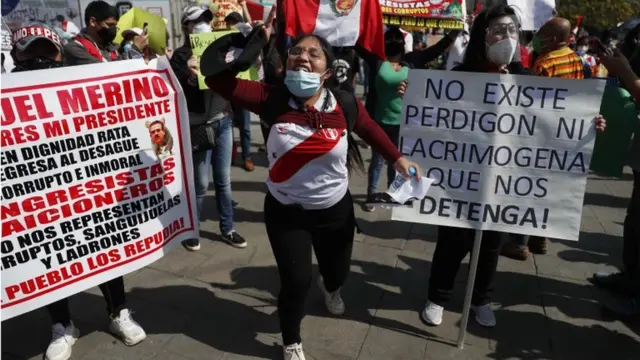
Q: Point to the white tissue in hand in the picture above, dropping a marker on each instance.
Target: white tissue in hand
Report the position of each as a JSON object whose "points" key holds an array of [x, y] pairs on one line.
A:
{"points": [[402, 190]]}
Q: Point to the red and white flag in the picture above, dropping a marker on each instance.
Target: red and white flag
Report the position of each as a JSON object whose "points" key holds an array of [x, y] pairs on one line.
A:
{"points": [[257, 11], [340, 22]]}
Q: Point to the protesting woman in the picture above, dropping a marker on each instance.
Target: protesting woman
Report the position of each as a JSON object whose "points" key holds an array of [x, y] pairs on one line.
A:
{"points": [[310, 153], [493, 48]]}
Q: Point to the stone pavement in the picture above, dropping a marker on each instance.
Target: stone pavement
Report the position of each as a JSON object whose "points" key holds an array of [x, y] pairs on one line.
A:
{"points": [[220, 303]]}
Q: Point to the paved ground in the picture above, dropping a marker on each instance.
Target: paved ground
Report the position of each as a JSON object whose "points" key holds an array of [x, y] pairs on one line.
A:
{"points": [[219, 303]]}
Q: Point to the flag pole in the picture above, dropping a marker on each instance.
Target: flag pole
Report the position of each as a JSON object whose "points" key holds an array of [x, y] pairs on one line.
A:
{"points": [[473, 267]]}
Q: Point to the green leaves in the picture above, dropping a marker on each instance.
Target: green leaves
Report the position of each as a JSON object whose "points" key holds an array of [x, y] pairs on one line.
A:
{"points": [[604, 14]]}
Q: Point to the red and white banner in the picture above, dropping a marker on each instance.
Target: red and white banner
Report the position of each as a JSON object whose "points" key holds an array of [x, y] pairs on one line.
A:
{"points": [[96, 177], [340, 22]]}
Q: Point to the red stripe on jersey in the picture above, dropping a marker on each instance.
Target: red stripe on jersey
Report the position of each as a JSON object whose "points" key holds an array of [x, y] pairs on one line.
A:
{"points": [[320, 143]]}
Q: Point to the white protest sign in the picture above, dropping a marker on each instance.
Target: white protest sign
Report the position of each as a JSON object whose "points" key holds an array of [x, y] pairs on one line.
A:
{"points": [[533, 13], [508, 153], [96, 177]]}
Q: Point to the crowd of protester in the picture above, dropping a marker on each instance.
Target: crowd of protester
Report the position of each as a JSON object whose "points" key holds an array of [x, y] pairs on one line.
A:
{"points": [[308, 204]]}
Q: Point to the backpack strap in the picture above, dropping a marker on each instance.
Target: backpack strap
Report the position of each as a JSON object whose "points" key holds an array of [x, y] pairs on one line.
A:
{"points": [[93, 50], [347, 102], [276, 103], [349, 105]]}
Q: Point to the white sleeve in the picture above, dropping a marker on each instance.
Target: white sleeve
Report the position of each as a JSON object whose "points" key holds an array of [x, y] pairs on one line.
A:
{"points": [[408, 43]]}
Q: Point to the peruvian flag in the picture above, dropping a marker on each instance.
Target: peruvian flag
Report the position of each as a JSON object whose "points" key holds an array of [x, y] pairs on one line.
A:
{"points": [[340, 22], [257, 11]]}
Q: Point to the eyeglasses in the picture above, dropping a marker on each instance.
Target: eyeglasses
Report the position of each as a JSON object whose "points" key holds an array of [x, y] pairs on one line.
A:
{"points": [[313, 53], [503, 29]]}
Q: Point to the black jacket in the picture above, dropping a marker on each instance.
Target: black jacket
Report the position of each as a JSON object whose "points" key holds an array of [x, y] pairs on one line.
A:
{"points": [[194, 96]]}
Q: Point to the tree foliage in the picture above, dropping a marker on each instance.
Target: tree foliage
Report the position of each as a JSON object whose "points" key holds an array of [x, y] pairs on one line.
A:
{"points": [[602, 14]]}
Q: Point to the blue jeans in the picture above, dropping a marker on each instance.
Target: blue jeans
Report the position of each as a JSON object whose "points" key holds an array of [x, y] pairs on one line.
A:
{"points": [[377, 162], [220, 159], [243, 122]]}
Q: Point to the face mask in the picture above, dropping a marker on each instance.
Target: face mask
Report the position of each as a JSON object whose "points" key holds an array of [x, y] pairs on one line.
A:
{"points": [[37, 63], [202, 27], [107, 34], [582, 50], [502, 52], [301, 83]]}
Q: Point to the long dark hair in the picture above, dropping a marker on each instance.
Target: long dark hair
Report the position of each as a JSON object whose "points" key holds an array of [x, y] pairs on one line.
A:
{"points": [[354, 157], [476, 52]]}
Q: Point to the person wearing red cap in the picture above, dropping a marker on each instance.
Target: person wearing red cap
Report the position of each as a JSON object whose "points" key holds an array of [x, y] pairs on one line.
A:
{"points": [[36, 47]]}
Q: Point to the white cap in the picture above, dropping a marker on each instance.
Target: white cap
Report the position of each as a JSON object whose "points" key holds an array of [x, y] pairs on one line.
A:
{"points": [[135, 31]]}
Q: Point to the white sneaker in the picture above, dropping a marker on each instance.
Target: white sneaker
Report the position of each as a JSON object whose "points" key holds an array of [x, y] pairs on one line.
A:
{"points": [[62, 340], [333, 301], [432, 313], [484, 315], [293, 352], [127, 329]]}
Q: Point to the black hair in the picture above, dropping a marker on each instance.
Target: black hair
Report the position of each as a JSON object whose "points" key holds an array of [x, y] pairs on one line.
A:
{"points": [[629, 42], [583, 40], [100, 10], [327, 49], [354, 157], [394, 42], [476, 52], [629, 46]]}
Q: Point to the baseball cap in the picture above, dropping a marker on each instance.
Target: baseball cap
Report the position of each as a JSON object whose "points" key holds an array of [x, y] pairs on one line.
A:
{"points": [[194, 12], [132, 32], [235, 16], [26, 35]]}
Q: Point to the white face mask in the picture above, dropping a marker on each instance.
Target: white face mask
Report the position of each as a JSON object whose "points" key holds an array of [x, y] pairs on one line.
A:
{"points": [[202, 27], [502, 52]]}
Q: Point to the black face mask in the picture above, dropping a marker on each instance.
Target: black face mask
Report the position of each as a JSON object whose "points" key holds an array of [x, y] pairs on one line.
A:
{"points": [[37, 63], [107, 34]]}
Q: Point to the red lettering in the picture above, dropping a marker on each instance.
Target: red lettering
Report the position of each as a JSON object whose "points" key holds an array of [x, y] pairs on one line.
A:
{"points": [[19, 135], [11, 291], [72, 101], [112, 94], [129, 250], [95, 97]]}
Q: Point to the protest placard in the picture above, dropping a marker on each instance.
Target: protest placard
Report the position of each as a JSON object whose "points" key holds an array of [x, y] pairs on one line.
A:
{"points": [[96, 177], [508, 153], [200, 42]]}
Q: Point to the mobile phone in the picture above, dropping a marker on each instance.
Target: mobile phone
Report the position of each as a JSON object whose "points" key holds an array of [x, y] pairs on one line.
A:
{"points": [[145, 28]]}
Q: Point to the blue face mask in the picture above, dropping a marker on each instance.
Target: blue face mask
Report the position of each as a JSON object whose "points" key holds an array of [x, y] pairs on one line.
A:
{"points": [[301, 83]]}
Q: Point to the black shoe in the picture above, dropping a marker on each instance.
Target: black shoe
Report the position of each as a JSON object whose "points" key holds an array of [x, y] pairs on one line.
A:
{"points": [[234, 239], [618, 283], [192, 244]]}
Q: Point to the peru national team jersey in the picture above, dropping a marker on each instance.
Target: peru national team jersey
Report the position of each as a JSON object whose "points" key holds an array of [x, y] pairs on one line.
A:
{"points": [[308, 166]]}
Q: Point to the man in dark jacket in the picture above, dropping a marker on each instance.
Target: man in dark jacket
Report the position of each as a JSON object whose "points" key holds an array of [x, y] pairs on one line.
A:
{"points": [[94, 44]]}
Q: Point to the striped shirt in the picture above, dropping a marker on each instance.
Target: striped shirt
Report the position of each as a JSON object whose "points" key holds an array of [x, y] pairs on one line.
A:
{"points": [[562, 63]]}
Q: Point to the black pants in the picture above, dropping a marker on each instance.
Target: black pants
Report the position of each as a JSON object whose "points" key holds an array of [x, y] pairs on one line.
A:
{"points": [[453, 245], [114, 295], [631, 234], [292, 232]]}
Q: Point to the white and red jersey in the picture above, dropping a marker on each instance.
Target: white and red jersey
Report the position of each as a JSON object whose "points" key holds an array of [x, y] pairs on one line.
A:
{"points": [[308, 166]]}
